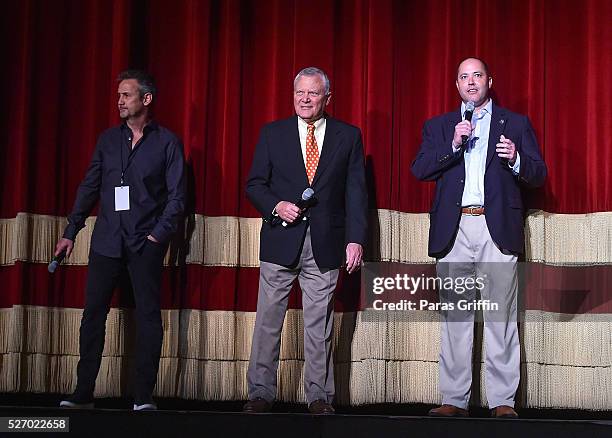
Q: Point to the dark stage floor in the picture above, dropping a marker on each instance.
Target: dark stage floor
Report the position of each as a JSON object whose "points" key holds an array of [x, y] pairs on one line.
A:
{"points": [[184, 418]]}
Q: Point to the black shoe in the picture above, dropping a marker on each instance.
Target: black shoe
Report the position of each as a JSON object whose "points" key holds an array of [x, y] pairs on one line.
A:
{"points": [[257, 406], [145, 406], [76, 402]]}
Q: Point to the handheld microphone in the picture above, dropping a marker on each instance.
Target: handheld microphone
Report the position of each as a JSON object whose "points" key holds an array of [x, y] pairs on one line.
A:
{"points": [[469, 112], [304, 202], [55, 261], [306, 197]]}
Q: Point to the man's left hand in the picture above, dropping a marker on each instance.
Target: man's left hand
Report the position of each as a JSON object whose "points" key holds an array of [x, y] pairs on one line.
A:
{"points": [[152, 239], [506, 149], [354, 256]]}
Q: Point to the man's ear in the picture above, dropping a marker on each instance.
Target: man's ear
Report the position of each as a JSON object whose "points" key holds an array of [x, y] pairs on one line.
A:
{"points": [[147, 99]]}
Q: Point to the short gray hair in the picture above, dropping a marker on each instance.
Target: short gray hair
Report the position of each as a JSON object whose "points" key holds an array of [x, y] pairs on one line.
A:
{"points": [[313, 71]]}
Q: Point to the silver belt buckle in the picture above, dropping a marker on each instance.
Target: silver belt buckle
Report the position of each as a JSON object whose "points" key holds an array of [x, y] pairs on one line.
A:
{"points": [[472, 210]]}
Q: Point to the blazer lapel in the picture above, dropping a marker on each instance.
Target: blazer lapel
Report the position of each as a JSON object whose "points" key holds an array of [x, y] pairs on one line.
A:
{"points": [[451, 122], [498, 124], [333, 135], [295, 159]]}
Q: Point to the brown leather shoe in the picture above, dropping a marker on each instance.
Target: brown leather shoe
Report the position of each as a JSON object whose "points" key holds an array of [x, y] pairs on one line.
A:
{"points": [[503, 412], [448, 411], [321, 407], [257, 406]]}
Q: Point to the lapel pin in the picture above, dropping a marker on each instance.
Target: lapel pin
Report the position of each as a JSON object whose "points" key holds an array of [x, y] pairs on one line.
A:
{"points": [[501, 121]]}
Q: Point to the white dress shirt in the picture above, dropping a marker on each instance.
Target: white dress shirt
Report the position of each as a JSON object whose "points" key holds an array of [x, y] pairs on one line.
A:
{"points": [[319, 134]]}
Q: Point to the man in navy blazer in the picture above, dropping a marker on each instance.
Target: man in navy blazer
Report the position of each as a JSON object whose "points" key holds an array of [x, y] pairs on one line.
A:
{"points": [[310, 243], [476, 230]]}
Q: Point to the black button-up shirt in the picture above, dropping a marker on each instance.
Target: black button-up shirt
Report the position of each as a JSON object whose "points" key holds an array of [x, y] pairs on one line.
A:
{"points": [[154, 172]]}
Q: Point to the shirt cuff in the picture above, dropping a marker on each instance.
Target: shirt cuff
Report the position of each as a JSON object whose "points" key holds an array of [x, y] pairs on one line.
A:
{"points": [[517, 165], [70, 232]]}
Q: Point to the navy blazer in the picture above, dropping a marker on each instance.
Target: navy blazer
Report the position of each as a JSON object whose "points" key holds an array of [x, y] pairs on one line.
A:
{"points": [[436, 161], [339, 215]]}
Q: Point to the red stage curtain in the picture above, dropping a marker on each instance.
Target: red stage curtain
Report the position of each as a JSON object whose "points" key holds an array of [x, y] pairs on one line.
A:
{"points": [[224, 68]]}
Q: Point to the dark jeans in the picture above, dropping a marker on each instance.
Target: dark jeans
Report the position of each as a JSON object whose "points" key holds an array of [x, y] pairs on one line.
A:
{"points": [[145, 269]]}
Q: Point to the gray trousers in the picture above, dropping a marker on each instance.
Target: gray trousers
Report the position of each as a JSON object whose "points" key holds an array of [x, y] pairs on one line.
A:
{"points": [[317, 286], [475, 254]]}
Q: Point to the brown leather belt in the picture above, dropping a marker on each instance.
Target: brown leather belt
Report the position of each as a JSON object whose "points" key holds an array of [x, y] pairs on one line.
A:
{"points": [[473, 211]]}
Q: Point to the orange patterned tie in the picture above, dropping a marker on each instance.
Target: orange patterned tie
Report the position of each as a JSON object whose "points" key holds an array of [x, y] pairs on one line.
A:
{"points": [[312, 153]]}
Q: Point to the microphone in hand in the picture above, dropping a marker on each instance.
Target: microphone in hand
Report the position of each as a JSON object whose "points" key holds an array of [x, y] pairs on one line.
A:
{"points": [[304, 202], [469, 112], [55, 261]]}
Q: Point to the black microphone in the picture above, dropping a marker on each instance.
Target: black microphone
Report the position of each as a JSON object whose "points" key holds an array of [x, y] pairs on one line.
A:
{"points": [[306, 198], [469, 112], [55, 261], [304, 202]]}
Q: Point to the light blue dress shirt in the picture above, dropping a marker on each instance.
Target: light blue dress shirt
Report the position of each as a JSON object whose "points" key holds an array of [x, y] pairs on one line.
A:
{"points": [[475, 156]]}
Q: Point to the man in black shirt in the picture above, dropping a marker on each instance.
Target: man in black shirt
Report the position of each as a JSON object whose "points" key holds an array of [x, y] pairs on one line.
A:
{"points": [[137, 174]]}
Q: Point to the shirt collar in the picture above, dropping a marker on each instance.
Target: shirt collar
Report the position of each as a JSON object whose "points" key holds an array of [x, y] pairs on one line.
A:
{"points": [[304, 124], [487, 109], [151, 125]]}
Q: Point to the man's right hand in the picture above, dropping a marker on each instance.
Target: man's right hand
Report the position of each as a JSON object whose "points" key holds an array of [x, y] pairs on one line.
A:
{"points": [[461, 128], [64, 245], [287, 211]]}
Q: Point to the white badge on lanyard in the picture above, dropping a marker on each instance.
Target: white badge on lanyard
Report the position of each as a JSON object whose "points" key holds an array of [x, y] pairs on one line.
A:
{"points": [[122, 198]]}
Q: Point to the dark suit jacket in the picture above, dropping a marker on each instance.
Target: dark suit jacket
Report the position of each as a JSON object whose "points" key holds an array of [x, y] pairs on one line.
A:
{"points": [[278, 174], [436, 161]]}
